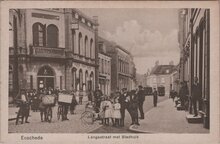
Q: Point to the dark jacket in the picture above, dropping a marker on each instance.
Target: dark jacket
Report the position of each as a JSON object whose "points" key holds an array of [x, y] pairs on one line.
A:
{"points": [[196, 93], [122, 100], [141, 96]]}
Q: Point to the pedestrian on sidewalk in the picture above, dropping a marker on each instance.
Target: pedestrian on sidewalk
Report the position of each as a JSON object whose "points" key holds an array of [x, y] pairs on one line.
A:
{"points": [[141, 99], [183, 93], [196, 95], [155, 97]]}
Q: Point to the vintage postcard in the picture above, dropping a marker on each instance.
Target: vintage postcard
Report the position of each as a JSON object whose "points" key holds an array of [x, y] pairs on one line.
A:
{"points": [[110, 72]]}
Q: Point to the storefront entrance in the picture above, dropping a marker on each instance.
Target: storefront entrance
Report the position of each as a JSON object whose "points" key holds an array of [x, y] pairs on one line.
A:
{"points": [[45, 78]]}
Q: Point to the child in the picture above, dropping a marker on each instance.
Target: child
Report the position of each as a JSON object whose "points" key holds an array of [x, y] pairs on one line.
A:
{"points": [[102, 109], [108, 110], [116, 112]]}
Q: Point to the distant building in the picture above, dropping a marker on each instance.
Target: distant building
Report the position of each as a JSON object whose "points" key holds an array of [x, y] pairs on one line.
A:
{"points": [[123, 71], [160, 76], [104, 69]]}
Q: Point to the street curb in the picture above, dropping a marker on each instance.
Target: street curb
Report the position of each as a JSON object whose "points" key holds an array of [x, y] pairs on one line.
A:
{"points": [[133, 128]]}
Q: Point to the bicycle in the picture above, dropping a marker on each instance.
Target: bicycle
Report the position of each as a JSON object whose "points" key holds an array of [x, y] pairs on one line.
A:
{"points": [[49, 113], [89, 116]]}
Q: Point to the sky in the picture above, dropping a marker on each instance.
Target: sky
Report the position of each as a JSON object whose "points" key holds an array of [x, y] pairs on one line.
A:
{"points": [[149, 34]]}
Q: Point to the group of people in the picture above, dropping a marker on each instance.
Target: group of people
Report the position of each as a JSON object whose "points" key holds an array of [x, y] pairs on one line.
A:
{"points": [[112, 108], [184, 99], [32, 99]]}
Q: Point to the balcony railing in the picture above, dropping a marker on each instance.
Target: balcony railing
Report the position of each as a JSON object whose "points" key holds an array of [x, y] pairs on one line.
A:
{"points": [[84, 59], [21, 51], [47, 52]]}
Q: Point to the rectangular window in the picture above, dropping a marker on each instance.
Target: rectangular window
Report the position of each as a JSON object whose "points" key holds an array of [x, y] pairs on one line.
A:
{"points": [[162, 80]]}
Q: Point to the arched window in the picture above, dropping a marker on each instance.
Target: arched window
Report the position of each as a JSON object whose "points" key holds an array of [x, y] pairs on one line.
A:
{"points": [[39, 38], [91, 81], [52, 36], [45, 71], [73, 41], [80, 79], [86, 46], [86, 80], [80, 43], [91, 48], [74, 78]]}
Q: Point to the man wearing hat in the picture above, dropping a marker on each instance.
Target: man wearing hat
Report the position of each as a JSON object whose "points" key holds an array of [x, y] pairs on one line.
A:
{"points": [[141, 99], [124, 102]]}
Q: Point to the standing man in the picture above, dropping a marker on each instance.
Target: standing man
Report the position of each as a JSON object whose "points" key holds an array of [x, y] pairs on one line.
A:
{"points": [[155, 96], [195, 95], [97, 98], [141, 99], [124, 102], [24, 107]]}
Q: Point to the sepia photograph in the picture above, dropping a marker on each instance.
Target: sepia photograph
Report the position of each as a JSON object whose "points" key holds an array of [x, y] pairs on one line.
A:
{"points": [[128, 71]]}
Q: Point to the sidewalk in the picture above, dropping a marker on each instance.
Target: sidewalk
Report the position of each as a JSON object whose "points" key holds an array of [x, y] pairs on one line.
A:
{"points": [[166, 119]]}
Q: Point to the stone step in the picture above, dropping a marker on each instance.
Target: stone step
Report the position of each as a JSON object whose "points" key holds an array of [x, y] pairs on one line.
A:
{"points": [[179, 107], [192, 119]]}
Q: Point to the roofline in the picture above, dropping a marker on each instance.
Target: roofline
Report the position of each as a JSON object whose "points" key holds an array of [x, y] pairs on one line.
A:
{"points": [[84, 15], [121, 48]]}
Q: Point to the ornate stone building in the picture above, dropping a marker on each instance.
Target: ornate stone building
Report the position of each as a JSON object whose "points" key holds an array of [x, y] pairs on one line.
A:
{"points": [[51, 48]]}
